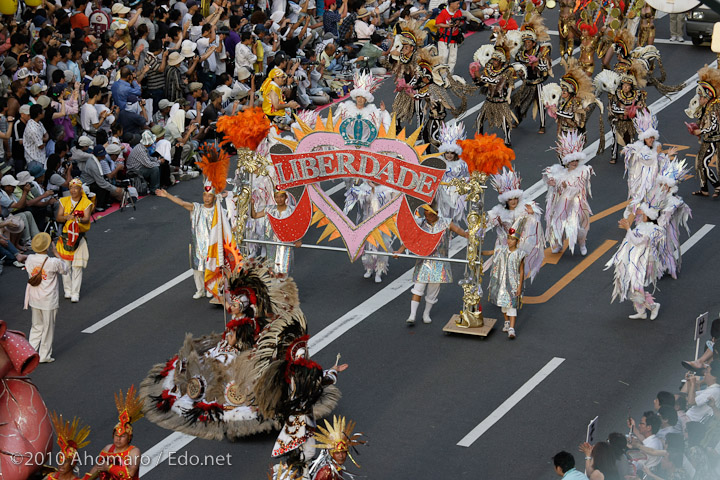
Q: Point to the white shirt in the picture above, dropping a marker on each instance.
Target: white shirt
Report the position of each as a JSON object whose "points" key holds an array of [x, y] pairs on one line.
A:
{"points": [[364, 30], [653, 442], [45, 296], [89, 117], [701, 409], [244, 58]]}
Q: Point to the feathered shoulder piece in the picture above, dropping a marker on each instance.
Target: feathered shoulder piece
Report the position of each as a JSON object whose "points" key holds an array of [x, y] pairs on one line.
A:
{"points": [[536, 25], [708, 81], [71, 436], [129, 407], [412, 33], [577, 81], [277, 338], [624, 43]]}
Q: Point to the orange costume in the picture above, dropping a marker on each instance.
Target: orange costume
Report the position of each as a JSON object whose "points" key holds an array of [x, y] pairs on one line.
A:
{"points": [[129, 409], [120, 462], [70, 438]]}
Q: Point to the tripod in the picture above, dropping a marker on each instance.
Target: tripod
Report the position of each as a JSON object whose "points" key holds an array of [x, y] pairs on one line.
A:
{"points": [[127, 199]]}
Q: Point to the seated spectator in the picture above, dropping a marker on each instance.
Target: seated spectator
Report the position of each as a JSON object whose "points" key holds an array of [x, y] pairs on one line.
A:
{"points": [[15, 206], [8, 250], [668, 421], [58, 174], [646, 432], [370, 54], [330, 58], [707, 356], [700, 410], [91, 175], [142, 163], [112, 162], [564, 464]]}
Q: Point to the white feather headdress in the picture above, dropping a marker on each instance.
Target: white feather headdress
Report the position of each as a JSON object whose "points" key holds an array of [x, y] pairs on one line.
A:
{"points": [[364, 84], [570, 147], [450, 133], [507, 185], [646, 125]]}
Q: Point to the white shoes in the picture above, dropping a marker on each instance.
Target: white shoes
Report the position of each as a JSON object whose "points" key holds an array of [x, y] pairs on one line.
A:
{"points": [[75, 298], [67, 296], [378, 278], [47, 360], [410, 321], [198, 295], [654, 310], [555, 249], [511, 333], [639, 316], [427, 319], [506, 326], [368, 273], [583, 250]]}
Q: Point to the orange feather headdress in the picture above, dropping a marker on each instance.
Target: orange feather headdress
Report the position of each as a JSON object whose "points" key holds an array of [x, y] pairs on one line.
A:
{"points": [[486, 154]]}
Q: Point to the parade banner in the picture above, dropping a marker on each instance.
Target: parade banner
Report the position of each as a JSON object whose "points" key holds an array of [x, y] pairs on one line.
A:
{"points": [[356, 149]]}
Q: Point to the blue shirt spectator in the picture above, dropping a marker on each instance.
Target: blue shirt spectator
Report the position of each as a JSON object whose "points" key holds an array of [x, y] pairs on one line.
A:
{"points": [[122, 88]]}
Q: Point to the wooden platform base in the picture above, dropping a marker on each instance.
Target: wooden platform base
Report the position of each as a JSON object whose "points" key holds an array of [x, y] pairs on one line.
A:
{"points": [[488, 324]]}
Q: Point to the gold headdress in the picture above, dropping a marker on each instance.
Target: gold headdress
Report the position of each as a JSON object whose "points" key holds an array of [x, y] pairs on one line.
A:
{"points": [[534, 28], [338, 437], [624, 43], [129, 409], [412, 33], [576, 81], [708, 82], [71, 436]]}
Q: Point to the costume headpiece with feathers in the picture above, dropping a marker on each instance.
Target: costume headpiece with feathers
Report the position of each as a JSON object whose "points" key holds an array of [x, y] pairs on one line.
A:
{"points": [[129, 407], [535, 29], [364, 84], [450, 133], [635, 74], [708, 82], [577, 81], [71, 436], [646, 125], [507, 185], [427, 60], [570, 147], [624, 43], [338, 437], [672, 173], [412, 33]]}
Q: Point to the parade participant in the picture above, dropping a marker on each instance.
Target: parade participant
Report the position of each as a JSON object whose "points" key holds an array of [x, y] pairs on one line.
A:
{"points": [[74, 213], [623, 105], [506, 279], [43, 297], [566, 27], [637, 262], [201, 216], [274, 104], [371, 197], [513, 209], [430, 274], [673, 214], [588, 42], [431, 99], [647, 56], [643, 159], [120, 460], [646, 32], [496, 83], [402, 63], [71, 436], [361, 103], [708, 130], [336, 442], [281, 256], [451, 204], [534, 54], [567, 212], [576, 102]]}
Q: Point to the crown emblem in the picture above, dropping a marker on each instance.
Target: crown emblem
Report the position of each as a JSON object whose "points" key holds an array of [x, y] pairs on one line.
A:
{"points": [[358, 131]]}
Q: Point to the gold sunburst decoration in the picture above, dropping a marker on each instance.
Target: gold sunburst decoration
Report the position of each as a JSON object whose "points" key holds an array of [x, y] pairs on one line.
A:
{"points": [[332, 125]]}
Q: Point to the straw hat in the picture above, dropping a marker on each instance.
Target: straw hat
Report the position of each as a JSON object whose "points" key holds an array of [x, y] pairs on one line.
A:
{"points": [[175, 59]]}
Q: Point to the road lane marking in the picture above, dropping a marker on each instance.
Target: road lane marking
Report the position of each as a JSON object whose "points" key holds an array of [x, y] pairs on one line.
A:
{"points": [[571, 275], [508, 404], [140, 301], [697, 236]]}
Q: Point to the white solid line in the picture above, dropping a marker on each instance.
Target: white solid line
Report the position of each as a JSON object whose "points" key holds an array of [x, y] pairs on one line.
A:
{"points": [[335, 189], [508, 404], [140, 301], [539, 187], [697, 236], [176, 441]]}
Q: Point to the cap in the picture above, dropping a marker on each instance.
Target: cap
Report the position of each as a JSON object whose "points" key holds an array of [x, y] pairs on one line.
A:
{"points": [[39, 20], [44, 101], [194, 86], [243, 73], [10, 62], [191, 3], [132, 98], [36, 170], [25, 109], [24, 177], [164, 103], [69, 75], [119, 44], [259, 28], [8, 180], [119, 9], [36, 88], [147, 138], [23, 73], [113, 149], [85, 141], [99, 151]]}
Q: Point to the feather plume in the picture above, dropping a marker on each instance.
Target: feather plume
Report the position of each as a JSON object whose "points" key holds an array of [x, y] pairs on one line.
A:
{"points": [[245, 129], [130, 403], [486, 154], [70, 435], [710, 75], [584, 83], [536, 24], [214, 163]]}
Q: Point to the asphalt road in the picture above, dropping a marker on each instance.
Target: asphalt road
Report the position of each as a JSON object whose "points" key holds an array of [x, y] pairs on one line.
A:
{"points": [[414, 392]]}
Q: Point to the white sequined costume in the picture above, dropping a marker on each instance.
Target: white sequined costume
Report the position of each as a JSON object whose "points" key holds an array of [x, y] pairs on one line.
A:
{"points": [[567, 212], [505, 277]]}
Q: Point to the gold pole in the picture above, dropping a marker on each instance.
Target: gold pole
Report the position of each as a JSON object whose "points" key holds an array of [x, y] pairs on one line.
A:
{"points": [[248, 163]]}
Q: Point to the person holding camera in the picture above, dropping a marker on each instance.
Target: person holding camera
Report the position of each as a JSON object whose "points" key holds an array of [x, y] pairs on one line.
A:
{"points": [[448, 23]]}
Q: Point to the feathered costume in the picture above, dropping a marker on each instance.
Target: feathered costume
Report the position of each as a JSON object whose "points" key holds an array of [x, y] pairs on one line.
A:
{"points": [[71, 437], [709, 126], [674, 213], [403, 67], [637, 263], [538, 67], [623, 106], [370, 199], [212, 389], [502, 219], [567, 212], [333, 438], [364, 86], [642, 163], [496, 83], [451, 204]]}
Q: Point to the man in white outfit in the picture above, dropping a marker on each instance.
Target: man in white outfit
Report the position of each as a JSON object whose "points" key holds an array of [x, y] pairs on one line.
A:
{"points": [[43, 299]]}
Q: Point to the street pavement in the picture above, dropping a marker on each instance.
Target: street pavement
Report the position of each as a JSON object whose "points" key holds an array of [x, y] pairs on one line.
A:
{"points": [[414, 392]]}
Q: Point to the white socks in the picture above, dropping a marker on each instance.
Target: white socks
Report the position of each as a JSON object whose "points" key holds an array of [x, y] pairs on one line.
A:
{"points": [[414, 308], [426, 313]]}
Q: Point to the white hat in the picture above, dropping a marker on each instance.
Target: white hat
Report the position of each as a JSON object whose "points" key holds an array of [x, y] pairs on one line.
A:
{"points": [[449, 135], [119, 9], [85, 141], [174, 59], [188, 49], [8, 180], [23, 73], [100, 81], [164, 103], [25, 109], [113, 149], [243, 73], [147, 138], [24, 177], [365, 85]]}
